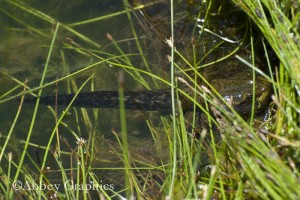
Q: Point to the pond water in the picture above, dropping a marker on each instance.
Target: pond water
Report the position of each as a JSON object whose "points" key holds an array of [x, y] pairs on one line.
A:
{"points": [[25, 40], [26, 32]]}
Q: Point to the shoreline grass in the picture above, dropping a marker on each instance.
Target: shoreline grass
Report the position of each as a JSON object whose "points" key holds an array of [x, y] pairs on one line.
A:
{"points": [[247, 162]]}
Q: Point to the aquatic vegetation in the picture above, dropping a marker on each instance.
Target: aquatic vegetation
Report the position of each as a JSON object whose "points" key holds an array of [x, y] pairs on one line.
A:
{"points": [[231, 144]]}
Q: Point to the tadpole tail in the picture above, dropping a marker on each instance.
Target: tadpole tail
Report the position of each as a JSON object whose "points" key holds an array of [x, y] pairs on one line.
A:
{"points": [[134, 100]]}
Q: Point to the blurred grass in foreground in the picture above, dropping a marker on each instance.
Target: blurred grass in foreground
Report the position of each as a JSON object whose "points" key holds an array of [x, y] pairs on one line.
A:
{"points": [[246, 163]]}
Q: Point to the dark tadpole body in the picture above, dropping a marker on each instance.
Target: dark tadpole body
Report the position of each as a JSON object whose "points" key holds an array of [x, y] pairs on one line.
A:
{"points": [[134, 100]]}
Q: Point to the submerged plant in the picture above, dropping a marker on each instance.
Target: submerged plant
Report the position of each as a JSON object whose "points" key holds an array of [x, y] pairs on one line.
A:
{"points": [[212, 147]]}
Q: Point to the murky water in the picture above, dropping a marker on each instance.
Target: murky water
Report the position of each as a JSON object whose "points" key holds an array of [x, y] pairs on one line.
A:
{"points": [[24, 45]]}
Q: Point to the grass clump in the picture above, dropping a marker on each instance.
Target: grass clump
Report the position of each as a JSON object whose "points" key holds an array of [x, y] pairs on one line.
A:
{"points": [[214, 154]]}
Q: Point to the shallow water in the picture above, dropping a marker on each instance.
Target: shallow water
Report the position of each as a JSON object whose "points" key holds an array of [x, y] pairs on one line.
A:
{"points": [[24, 45]]}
